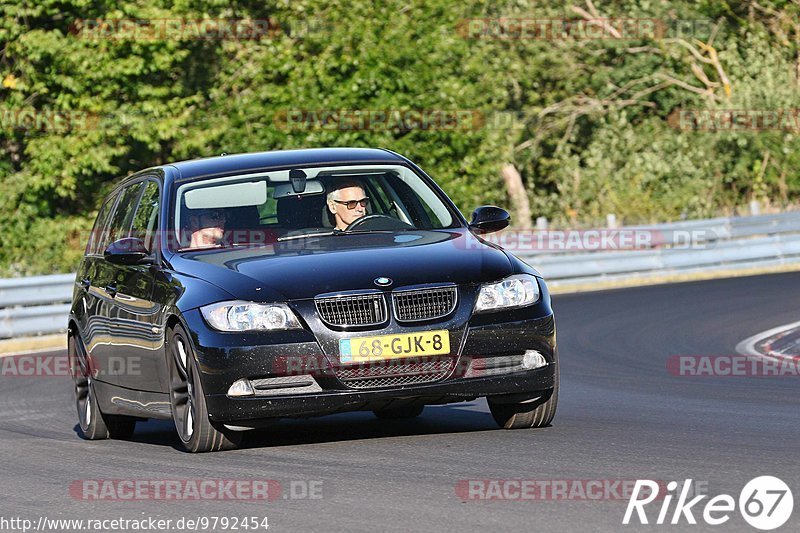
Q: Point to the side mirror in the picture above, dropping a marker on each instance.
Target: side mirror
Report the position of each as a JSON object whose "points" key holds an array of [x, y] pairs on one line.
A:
{"points": [[127, 251], [488, 218]]}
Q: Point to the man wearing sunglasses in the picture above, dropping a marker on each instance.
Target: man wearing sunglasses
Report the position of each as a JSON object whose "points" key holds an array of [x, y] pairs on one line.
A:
{"points": [[347, 202]]}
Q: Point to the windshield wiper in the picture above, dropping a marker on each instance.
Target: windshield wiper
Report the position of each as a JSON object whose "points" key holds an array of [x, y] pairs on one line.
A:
{"points": [[363, 231]]}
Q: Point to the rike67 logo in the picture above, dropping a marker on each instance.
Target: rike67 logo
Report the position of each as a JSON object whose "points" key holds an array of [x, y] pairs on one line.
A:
{"points": [[765, 503]]}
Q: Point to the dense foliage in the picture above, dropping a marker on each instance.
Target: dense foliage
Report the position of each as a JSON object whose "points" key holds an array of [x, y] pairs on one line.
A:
{"points": [[595, 126]]}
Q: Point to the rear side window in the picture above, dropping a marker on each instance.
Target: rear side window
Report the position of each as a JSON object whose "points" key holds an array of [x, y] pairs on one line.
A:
{"points": [[100, 224], [145, 221], [123, 214]]}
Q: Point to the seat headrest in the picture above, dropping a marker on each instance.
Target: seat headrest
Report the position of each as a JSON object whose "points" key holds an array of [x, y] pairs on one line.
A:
{"points": [[295, 212]]}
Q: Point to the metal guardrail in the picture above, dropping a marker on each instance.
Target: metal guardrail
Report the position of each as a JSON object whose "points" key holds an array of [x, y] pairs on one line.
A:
{"points": [[36, 290], [26, 321], [720, 253], [725, 243], [37, 305], [714, 229]]}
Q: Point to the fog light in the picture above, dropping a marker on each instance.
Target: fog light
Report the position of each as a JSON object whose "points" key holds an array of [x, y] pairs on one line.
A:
{"points": [[533, 359], [242, 387]]}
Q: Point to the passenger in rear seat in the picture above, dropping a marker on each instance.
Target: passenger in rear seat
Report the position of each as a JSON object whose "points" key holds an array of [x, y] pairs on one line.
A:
{"points": [[207, 227]]}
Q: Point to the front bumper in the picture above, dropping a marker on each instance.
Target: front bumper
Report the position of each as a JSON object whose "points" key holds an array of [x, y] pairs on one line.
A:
{"points": [[248, 412], [225, 358]]}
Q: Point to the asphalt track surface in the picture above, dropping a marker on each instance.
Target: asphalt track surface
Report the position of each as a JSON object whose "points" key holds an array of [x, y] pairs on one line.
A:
{"points": [[622, 416]]}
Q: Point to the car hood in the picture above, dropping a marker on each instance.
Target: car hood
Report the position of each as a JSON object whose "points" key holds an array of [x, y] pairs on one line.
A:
{"points": [[304, 268]]}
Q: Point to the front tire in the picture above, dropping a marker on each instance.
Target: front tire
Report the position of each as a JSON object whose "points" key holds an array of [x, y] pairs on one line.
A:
{"points": [[187, 399], [530, 414], [93, 423]]}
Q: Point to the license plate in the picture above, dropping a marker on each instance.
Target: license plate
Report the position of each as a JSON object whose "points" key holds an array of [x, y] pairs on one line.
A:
{"points": [[381, 347]]}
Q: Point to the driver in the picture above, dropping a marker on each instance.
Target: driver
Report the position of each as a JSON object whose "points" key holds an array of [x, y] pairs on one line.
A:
{"points": [[347, 202], [207, 227]]}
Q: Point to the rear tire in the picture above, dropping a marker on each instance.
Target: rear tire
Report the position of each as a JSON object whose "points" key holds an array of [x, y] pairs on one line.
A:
{"points": [[530, 414], [398, 413], [187, 399], [93, 423]]}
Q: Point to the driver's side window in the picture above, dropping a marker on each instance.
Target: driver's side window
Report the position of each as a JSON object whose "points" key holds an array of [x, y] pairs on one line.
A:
{"points": [[120, 221], [145, 221], [99, 229]]}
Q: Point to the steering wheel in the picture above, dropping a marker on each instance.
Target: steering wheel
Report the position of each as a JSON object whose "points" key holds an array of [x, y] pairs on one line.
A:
{"points": [[377, 223]]}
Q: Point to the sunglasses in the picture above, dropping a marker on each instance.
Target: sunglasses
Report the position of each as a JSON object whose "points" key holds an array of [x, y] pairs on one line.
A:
{"points": [[351, 204]]}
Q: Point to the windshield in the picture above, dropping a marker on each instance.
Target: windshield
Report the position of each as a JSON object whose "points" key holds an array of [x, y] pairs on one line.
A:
{"points": [[275, 206]]}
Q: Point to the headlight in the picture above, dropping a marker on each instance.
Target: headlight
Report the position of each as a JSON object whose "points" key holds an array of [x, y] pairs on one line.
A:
{"points": [[248, 316], [514, 291]]}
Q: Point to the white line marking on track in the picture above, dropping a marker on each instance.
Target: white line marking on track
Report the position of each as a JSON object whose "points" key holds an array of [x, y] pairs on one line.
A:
{"points": [[748, 346]]}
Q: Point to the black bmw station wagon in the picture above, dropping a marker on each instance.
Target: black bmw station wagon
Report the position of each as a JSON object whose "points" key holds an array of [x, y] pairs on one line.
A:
{"points": [[229, 292]]}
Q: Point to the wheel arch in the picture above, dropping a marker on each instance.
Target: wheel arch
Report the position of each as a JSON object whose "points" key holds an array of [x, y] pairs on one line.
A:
{"points": [[174, 318]]}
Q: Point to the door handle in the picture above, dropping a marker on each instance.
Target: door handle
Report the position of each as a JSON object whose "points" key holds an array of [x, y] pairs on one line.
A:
{"points": [[112, 289], [85, 283]]}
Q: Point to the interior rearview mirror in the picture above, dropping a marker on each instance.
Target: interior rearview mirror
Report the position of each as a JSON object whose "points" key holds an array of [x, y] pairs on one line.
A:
{"points": [[298, 179]]}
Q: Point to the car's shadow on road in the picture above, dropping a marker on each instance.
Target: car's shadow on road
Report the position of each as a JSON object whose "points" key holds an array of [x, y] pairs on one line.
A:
{"points": [[438, 419]]}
